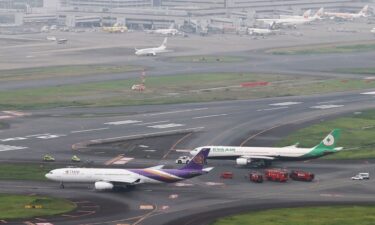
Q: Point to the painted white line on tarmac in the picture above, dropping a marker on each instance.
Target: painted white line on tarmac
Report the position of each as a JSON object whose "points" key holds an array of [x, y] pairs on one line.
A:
{"points": [[368, 93], [147, 134], [326, 106], [13, 139], [209, 116], [122, 161], [285, 103], [150, 123], [10, 148], [177, 111], [123, 122], [50, 136], [271, 109], [168, 125], [83, 131]]}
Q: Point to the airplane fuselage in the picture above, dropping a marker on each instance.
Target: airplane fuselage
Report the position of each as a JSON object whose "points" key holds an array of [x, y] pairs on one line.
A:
{"points": [[151, 51], [138, 176], [235, 152]]}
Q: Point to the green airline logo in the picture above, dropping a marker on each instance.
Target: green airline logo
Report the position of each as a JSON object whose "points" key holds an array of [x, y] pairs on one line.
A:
{"points": [[326, 146]]}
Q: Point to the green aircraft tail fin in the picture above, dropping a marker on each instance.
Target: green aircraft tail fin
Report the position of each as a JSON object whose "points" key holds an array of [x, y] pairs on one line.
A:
{"points": [[327, 145]]}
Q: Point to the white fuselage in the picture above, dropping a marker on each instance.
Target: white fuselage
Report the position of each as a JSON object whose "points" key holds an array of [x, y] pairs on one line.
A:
{"points": [[92, 175], [259, 31], [373, 30], [289, 21], [166, 31], [235, 151], [151, 51], [343, 15]]}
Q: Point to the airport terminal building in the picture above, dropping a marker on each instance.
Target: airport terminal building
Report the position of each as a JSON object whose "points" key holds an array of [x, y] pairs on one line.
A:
{"points": [[151, 14]]}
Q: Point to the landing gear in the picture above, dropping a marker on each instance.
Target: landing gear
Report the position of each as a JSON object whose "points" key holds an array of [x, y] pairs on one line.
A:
{"points": [[62, 185]]}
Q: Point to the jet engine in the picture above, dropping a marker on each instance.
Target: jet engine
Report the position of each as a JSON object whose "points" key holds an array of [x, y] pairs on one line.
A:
{"points": [[102, 185], [242, 161]]}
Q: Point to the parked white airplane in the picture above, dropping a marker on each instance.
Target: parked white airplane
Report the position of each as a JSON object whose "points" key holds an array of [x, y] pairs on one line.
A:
{"points": [[348, 16], [373, 30], [306, 14], [170, 31], [265, 155], [108, 179], [292, 21], [260, 31], [153, 51]]}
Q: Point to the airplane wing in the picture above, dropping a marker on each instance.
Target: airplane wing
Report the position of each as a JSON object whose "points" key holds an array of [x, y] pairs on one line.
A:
{"points": [[124, 180], [290, 146], [257, 157]]}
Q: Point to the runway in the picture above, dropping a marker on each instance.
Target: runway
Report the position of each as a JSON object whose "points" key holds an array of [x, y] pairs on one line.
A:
{"points": [[229, 123]]}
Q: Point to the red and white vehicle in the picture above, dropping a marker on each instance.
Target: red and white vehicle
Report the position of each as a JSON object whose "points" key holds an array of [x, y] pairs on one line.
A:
{"points": [[256, 177], [301, 175], [278, 175]]}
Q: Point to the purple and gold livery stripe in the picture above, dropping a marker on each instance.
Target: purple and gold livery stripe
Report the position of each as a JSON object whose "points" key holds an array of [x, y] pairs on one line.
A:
{"points": [[158, 175]]}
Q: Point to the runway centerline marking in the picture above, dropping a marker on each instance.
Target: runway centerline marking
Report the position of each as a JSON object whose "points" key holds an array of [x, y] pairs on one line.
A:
{"points": [[271, 109], [209, 116], [285, 103], [150, 123], [90, 130], [326, 106], [168, 125], [123, 122]]}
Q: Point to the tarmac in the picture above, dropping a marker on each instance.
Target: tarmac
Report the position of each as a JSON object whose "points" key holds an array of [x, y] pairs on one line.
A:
{"points": [[141, 136]]}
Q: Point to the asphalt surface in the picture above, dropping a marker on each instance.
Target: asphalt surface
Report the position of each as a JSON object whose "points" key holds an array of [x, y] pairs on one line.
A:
{"points": [[157, 131]]}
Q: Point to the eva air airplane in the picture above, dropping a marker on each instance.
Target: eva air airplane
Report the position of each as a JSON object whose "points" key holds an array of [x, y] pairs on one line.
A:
{"points": [[265, 155]]}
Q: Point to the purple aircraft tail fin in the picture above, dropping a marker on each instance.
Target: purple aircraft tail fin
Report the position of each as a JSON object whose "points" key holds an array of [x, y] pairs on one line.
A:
{"points": [[198, 161]]}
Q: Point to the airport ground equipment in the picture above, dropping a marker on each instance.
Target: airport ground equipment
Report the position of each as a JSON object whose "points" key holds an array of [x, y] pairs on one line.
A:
{"points": [[183, 160], [226, 175], [256, 177], [76, 159], [361, 176], [357, 177], [276, 175], [48, 158], [301, 175]]}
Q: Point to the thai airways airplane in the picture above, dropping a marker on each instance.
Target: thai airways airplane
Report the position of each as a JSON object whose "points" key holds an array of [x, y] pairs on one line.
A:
{"points": [[265, 155], [349, 16], [108, 179], [153, 51]]}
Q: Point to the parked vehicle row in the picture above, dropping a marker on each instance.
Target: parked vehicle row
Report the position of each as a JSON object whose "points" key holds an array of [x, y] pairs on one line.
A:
{"points": [[276, 175]]}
